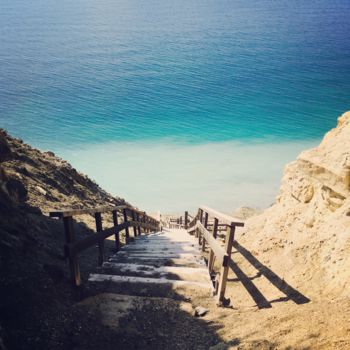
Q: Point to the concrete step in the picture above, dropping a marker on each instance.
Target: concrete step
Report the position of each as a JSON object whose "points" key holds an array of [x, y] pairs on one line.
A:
{"points": [[169, 272], [159, 261], [96, 277], [156, 254], [160, 249]]}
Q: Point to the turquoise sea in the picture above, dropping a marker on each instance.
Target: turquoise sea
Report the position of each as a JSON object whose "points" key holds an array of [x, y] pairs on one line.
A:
{"points": [[172, 104]]}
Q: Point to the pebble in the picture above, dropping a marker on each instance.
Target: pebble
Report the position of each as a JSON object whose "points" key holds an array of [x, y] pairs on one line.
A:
{"points": [[41, 190], [200, 311]]}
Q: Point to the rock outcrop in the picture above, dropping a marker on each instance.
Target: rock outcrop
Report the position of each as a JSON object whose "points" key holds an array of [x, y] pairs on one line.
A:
{"points": [[33, 271], [305, 235]]}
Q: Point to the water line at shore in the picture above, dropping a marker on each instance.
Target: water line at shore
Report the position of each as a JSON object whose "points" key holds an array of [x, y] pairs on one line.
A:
{"points": [[173, 177]]}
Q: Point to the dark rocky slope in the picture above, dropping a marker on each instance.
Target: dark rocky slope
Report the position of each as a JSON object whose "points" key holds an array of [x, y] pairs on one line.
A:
{"points": [[35, 295]]}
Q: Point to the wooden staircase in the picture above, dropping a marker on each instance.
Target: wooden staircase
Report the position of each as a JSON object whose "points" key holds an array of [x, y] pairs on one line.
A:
{"points": [[156, 263]]}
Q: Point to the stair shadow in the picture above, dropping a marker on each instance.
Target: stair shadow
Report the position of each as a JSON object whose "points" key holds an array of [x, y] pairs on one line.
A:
{"points": [[290, 292], [254, 292]]}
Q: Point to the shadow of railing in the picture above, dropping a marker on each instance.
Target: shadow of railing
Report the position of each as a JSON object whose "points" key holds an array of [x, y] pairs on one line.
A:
{"points": [[254, 292], [290, 292]]}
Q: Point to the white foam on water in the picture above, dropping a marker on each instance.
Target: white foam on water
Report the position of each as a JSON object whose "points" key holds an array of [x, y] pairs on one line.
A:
{"points": [[175, 177]]}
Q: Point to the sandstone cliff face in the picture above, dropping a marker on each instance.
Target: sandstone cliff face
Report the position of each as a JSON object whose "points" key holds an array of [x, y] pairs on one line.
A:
{"points": [[305, 235]]}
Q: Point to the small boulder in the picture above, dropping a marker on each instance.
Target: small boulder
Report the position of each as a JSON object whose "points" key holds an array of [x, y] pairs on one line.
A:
{"points": [[200, 311], [41, 190]]}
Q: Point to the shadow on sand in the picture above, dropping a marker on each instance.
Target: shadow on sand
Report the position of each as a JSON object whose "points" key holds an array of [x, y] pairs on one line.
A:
{"points": [[290, 292]]}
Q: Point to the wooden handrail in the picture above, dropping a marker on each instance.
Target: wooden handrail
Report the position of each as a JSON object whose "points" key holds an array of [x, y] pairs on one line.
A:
{"points": [[73, 247], [74, 212], [200, 227], [226, 219], [216, 247]]}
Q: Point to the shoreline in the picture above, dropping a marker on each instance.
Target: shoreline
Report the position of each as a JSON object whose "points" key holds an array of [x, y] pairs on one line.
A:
{"points": [[225, 175]]}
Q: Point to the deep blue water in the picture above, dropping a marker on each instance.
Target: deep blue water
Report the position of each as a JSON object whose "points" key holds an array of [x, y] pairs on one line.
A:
{"points": [[182, 100], [85, 71]]}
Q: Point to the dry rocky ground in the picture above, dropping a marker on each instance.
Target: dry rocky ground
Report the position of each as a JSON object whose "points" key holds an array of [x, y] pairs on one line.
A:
{"points": [[288, 284]]}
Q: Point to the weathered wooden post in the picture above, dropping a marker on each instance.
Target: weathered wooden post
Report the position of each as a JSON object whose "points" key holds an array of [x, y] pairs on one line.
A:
{"points": [[211, 259], [125, 216], [134, 219], [138, 227], [186, 220], [206, 216], [144, 221], [116, 234], [98, 219], [230, 235], [73, 260], [200, 215]]}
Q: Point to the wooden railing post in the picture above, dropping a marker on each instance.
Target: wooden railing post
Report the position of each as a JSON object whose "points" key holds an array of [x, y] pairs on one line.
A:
{"points": [[134, 219], [224, 269], [211, 259], [200, 215], [186, 220], [101, 249], [116, 234], [144, 221], [73, 260], [138, 227], [125, 216], [206, 217]]}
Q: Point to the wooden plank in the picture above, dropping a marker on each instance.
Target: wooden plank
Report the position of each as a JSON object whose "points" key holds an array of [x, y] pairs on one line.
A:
{"points": [[102, 209], [138, 219], [73, 260], [101, 248], [74, 212], [224, 270], [218, 250], [206, 216], [211, 259], [134, 219], [116, 233], [125, 215], [77, 247], [227, 219]]}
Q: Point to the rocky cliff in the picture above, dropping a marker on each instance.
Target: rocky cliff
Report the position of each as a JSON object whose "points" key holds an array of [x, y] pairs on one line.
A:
{"points": [[33, 271], [305, 235]]}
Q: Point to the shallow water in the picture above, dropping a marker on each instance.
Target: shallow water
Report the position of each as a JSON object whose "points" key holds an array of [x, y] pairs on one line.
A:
{"points": [[175, 177], [175, 77]]}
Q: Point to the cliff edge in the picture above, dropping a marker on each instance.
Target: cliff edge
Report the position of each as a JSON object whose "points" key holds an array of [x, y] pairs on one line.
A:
{"points": [[305, 235]]}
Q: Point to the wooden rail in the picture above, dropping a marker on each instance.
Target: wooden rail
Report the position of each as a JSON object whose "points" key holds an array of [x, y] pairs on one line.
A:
{"points": [[139, 220], [200, 227]]}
